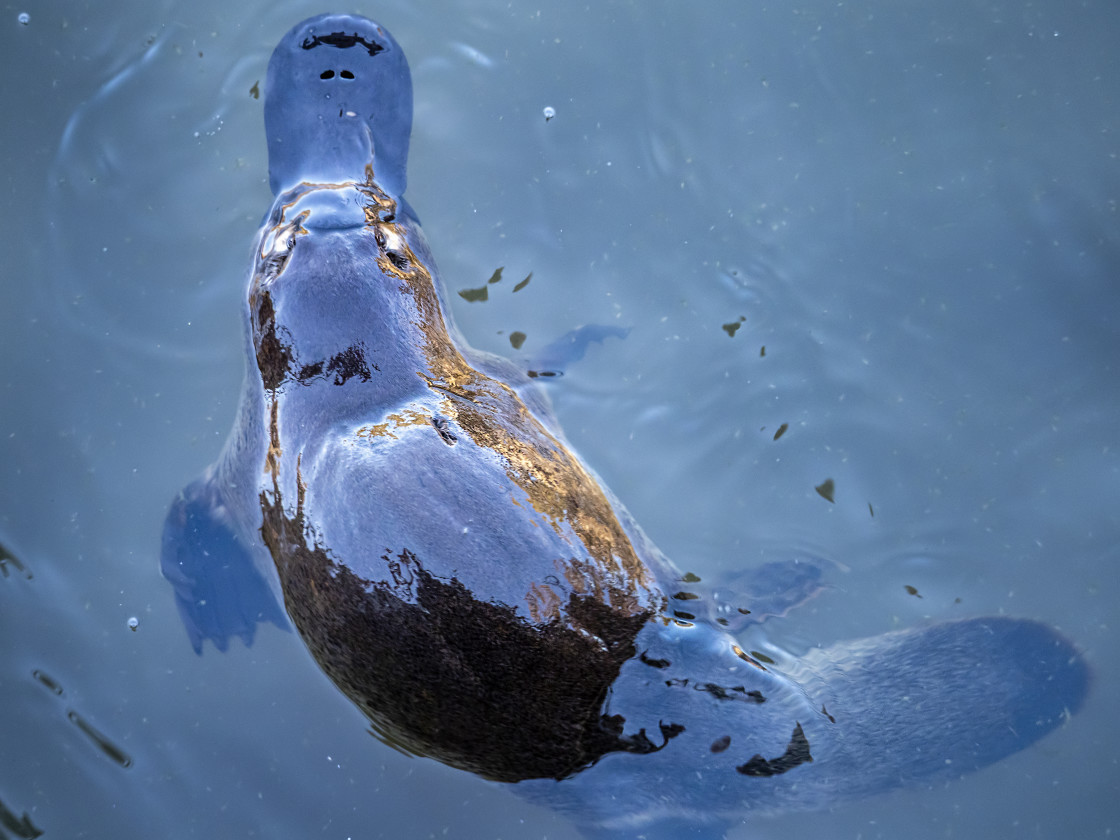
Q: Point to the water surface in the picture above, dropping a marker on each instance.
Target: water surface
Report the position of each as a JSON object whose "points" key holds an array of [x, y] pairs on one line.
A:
{"points": [[893, 228]]}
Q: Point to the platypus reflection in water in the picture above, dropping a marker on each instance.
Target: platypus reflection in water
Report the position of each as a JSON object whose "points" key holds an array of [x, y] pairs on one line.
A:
{"points": [[466, 580]]}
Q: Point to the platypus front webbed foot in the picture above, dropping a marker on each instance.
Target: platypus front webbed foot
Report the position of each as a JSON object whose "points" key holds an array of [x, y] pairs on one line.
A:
{"points": [[219, 592]]}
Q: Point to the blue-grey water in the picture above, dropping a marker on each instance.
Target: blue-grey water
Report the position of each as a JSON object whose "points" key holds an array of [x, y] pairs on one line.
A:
{"points": [[912, 207]]}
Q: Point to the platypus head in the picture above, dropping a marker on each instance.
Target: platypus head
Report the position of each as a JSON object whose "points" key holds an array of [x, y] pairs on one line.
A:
{"points": [[338, 97]]}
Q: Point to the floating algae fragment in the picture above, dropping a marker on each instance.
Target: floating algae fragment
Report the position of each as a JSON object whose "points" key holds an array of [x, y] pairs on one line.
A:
{"points": [[474, 295], [733, 327]]}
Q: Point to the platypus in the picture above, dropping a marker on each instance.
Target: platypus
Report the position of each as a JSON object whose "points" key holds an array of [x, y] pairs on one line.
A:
{"points": [[464, 578]]}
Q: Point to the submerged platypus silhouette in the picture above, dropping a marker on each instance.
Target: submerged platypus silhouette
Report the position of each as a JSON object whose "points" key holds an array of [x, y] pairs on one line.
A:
{"points": [[465, 579]]}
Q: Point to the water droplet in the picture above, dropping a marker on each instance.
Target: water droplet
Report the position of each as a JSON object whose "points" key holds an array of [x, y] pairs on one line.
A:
{"points": [[24, 18], [133, 623], [549, 112]]}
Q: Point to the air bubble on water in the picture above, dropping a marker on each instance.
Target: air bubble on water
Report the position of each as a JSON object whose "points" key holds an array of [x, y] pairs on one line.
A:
{"points": [[133, 623], [24, 18], [549, 112]]}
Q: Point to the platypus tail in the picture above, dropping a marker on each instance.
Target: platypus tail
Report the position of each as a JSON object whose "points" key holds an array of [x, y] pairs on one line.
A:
{"points": [[848, 721], [941, 701]]}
